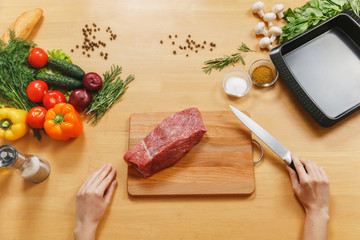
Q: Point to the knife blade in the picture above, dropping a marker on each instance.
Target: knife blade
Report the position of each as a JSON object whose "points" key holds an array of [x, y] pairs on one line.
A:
{"points": [[266, 137]]}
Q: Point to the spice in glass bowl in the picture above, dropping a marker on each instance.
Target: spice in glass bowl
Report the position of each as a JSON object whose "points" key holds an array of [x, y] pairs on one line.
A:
{"points": [[262, 75]]}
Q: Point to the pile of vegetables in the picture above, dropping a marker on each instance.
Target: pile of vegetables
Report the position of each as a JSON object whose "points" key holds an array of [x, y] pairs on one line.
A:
{"points": [[312, 13], [33, 89]]}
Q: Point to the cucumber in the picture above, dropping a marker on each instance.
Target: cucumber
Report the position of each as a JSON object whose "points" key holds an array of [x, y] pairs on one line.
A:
{"points": [[66, 68], [60, 81]]}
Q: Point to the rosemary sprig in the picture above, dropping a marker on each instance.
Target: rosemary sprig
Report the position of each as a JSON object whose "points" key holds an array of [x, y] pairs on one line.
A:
{"points": [[245, 48], [113, 88], [220, 63]]}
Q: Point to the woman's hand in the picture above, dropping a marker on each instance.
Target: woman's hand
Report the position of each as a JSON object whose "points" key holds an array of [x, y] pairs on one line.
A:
{"points": [[92, 201], [312, 190], [312, 187]]}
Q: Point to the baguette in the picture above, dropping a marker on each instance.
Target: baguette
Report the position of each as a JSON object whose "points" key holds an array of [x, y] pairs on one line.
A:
{"points": [[24, 24]]}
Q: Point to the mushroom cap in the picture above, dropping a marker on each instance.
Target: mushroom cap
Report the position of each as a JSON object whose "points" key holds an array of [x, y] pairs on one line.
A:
{"points": [[259, 26], [260, 29], [278, 8], [258, 6], [264, 42], [268, 17], [276, 31]]}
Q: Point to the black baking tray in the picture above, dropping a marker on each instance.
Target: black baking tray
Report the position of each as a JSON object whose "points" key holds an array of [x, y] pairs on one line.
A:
{"points": [[321, 67]]}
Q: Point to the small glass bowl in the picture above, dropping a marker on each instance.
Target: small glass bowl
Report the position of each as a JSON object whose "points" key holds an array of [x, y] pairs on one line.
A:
{"points": [[266, 63], [240, 80]]}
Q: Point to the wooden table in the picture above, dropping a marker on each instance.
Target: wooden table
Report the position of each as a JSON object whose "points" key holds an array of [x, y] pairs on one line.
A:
{"points": [[167, 82]]}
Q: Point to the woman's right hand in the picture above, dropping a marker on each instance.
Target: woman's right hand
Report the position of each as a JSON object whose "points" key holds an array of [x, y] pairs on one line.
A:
{"points": [[312, 186], [312, 190]]}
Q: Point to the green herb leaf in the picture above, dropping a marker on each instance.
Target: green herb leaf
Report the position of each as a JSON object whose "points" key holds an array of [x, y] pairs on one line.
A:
{"points": [[312, 13], [113, 88], [220, 63]]}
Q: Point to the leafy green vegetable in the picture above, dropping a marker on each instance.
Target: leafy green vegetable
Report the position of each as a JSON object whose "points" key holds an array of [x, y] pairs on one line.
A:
{"points": [[16, 74], [55, 53], [113, 88], [312, 13], [60, 54], [220, 63]]}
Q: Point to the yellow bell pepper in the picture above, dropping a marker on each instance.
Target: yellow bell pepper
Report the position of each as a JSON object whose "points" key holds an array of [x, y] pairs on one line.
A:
{"points": [[12, 123]]}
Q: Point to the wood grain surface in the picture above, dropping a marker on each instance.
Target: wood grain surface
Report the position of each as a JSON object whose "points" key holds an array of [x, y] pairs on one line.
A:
{"points": [[166, 83], [219, 165]]}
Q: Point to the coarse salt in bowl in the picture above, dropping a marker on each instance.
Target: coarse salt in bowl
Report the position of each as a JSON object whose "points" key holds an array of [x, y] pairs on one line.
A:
{"points": [[236, 83]]}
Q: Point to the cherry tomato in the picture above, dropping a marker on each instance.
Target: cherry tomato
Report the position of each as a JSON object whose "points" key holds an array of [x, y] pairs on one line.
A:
{"points": [[52, 98], [36, 117], [36, 90], [37, 58]]}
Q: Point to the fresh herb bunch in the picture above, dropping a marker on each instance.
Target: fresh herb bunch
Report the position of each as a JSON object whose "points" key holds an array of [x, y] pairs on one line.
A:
{"points": [[220, 63], [16, 74], [312, 13], [113, 88]]}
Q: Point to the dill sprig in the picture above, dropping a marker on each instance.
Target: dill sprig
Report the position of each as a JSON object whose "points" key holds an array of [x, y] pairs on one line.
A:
{"points": [[113, 88], [16, 74], [220, 63]]}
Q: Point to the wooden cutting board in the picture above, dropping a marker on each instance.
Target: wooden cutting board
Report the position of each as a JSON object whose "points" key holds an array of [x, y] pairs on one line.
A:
{"points": [[221, 164]]}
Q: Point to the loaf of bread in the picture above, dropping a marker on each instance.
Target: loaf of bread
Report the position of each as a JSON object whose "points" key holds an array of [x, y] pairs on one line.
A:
{"points": [[24, 24]]}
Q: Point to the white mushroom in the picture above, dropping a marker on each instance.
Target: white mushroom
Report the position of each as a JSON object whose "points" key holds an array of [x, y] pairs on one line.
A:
{"points": [[258, 8], [269, 18], [275, 32], [278, 9], [265, 42], [260, 29]]}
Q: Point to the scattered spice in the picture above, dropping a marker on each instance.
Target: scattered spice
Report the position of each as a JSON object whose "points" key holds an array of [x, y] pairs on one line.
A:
{"points": [[88, 43], [262, 75], [189, 45]]}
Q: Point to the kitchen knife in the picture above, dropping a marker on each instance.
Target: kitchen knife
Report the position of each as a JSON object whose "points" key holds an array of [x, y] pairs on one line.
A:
{"points": [[269, 140]]}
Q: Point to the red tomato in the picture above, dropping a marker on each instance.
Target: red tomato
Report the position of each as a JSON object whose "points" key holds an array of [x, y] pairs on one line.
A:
{"points": [[36, 90], [37, 58], [36, 117], [52, 98]]}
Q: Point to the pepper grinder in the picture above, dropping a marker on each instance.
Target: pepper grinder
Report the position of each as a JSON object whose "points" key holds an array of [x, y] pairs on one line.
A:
{"points": [[30, 167]]}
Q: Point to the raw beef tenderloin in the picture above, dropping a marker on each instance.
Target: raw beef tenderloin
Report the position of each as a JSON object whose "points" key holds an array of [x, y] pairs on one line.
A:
{"points": [[167, 143]]}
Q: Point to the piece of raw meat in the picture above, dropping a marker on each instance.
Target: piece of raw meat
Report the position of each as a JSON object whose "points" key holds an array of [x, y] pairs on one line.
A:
{"points": [[167, 143]]}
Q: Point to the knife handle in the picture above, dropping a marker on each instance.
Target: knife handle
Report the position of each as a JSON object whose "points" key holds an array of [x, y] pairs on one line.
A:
{"points": [[292, 166]]}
